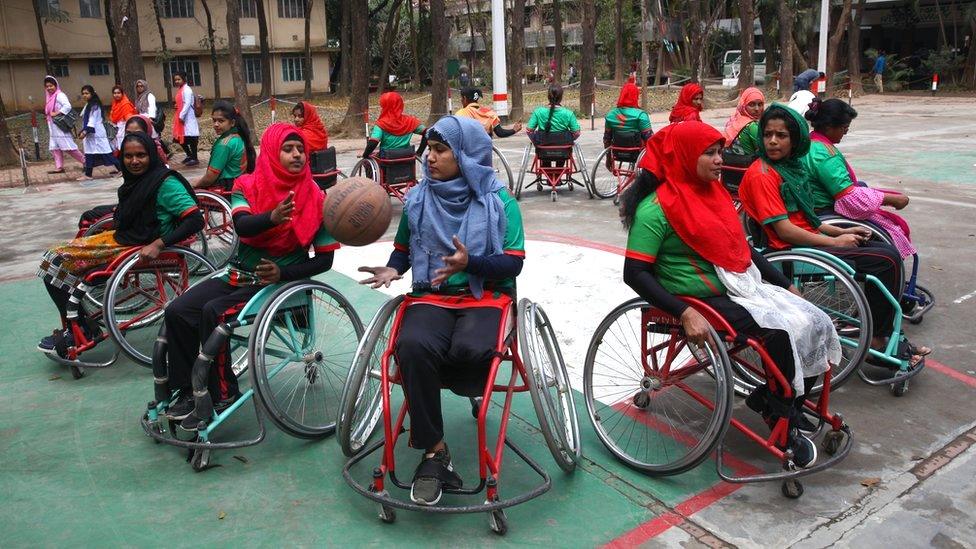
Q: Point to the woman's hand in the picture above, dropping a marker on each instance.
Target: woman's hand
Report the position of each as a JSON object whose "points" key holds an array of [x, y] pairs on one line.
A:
{"points": [[847, 240], [283, 210], [896, 201], [863, 232], [517, 127], [695, 326], [82, 134], [382, 276], [453, 263], [793, 290], [151, 250], [268, 271]]}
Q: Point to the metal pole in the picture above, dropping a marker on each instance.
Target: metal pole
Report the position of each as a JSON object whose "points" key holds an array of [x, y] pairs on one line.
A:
{"points": [[499, 76], [824, 32]]}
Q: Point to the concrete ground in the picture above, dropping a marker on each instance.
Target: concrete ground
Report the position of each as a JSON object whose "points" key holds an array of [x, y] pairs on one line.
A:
{"points": [[75, 467]]}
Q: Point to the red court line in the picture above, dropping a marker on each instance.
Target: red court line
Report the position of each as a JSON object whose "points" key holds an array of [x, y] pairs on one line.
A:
{"points": [[947, 371]]}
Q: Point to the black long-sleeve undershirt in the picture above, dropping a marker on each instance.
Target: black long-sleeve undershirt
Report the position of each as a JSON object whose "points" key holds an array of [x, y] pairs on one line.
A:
{"points": [[246, 224], [254, 224], [189, 225], [504, 132], [491, 267]]}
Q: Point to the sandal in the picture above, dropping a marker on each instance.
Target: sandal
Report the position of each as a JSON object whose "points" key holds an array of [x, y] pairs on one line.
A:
{"points": [[53, 172]]}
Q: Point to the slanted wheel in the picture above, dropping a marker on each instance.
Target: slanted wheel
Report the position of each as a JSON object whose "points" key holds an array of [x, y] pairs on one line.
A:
{"points": [[200, 461], [830, 288], [300, 349], [138, 292], [792, 488], [831, 442], [361, 402], [217, 241], [497, 522], [77, 372], [523, 167], [552, 394], [366, 167], [583, 170], [900, 388], [644, 404], [604, 181], [502, 168]]}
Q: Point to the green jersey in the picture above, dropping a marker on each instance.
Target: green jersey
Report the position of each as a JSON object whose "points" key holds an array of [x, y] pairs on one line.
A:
{"points": [[628, 119], [829, 178], [173, 203], [389, 141], [228, 159], [563, 120]]}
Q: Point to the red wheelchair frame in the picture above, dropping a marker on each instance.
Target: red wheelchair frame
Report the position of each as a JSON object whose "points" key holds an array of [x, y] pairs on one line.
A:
{"points": [[555, 175], [624, 171], [489, 459], [377, 167]]}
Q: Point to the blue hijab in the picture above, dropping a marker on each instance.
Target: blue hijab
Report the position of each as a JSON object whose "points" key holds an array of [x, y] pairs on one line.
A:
{"points": [[467, 206]]}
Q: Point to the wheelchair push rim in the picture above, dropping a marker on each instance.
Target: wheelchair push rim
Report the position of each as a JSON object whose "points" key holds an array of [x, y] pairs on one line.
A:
{"points": [[217, 241]]}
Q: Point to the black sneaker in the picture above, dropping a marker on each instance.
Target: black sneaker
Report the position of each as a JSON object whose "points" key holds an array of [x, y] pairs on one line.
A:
{"points": [[181, 407], [434, 474], [803, 424], [192, 423], [804, 450], [222, 405], [46, 345]]}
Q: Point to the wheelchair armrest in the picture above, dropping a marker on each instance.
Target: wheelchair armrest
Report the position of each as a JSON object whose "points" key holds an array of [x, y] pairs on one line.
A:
{"points": [[114, 265], [711, 315]]}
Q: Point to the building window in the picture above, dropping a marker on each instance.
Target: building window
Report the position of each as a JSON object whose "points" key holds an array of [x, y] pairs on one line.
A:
{"points": [[49, 8], [59, 68], [98, 67], [293, 69], [190, 66], [252, 69], [249, 9], [177, 9], [90, 8], [291, 9]]}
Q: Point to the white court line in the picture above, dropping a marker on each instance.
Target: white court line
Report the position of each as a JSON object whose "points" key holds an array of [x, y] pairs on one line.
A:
{"points": [[970, 295], [942, 201]]}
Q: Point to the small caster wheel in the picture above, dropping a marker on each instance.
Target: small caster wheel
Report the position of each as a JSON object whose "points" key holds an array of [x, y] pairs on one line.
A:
{"points": [[642, 400], [616, 200], [832, 442], [916, 320], [476, 406], [200, 460], [497, 522], [900, 388], [157, 428], [792, 488], [553, 195], [77, 372], [538, 186], [387, 514], [570, 183]]}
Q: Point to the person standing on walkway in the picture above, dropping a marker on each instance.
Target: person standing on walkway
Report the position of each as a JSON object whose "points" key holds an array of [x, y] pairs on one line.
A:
{"points": [[878, 70], [98, 148], [122, 111], [186, 130], [60, 141]]}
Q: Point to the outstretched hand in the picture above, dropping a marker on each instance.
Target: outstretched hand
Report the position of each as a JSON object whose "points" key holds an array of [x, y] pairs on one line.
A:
{"points": [[282, 212], [453, 263], [382, 276]]}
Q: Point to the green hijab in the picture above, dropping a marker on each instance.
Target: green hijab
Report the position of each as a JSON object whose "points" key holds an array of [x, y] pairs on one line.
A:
{"points": [[795, 189]]}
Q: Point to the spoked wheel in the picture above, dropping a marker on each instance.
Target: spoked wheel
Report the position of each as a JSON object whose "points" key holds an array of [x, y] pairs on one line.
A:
{"points": [[300, 350], [362, 401], [644, 385], [502, 168], [552, 394], [524, 166], [606, 182], [832, 290], [583, 169], [96, 294], [138, 292], [366, 167], [217, 241]]}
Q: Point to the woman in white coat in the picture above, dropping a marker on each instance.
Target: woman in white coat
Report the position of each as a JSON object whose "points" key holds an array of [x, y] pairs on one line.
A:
{"points": [[98, 149], [186, 131], [61, 141]]}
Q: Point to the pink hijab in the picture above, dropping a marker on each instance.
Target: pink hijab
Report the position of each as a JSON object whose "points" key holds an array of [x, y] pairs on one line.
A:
{"points": [[740, 118], [52, 98]]}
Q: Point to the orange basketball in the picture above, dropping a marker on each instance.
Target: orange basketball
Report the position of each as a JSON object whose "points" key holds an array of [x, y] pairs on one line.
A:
{"points": [[357, 211]]}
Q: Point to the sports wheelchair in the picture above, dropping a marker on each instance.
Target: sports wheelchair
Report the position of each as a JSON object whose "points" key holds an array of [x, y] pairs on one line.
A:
{"points": [[394, 169], [325, 169], [616, 167], [537, 367], [662, 404], [296, 339], [734, 166], [556, 159]]}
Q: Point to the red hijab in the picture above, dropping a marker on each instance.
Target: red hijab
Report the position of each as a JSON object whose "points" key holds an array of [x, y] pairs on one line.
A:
{"points": [[740, 118], [684, 110], [629, 96], [313, 130], [392, 120], [701, 213], [122, 110], [270, 183]]}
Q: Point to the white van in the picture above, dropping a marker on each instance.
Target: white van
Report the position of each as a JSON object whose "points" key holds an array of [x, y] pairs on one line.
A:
{"points": [[731, 62]]}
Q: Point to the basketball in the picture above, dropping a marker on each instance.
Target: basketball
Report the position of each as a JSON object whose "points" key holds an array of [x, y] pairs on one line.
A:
{"points": [[357, 211]]}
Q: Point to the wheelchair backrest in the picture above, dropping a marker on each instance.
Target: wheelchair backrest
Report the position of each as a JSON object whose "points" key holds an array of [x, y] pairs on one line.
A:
{"points": [[398, 165], [323, 165], [630, 142], [554, 146], [734, 167]]}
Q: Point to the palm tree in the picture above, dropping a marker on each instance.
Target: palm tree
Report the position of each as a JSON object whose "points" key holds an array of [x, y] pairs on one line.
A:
{"points": [[236, 60], [212, 42]]}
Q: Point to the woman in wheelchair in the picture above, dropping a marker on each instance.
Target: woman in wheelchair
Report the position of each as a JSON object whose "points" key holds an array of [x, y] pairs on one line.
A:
{"points": [[485, 116], [626, 117], [461, 233], [775, 193], [306, 117], [553, 124], [278, 215], [393, 129], [156, 209], [690, 103], [833, 184], [686, 239], [742, 130], [232, 154]]}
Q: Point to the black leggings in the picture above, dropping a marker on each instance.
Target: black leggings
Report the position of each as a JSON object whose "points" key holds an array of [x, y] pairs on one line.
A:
{"points": [[189, 145], [439, 347], [190, 320], [884, 262]]}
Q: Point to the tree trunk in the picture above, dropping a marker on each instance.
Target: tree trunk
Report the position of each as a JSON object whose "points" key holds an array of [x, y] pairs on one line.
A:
{"points": [[391, 30], [747, 38], [345, 47], [212, 39], [833, 43], [307, 69], [854, 50], [587, 85], [800, 63], [236, 61], [619, 71], [969, 73], [785, 49], [767, 21], [125, 20], [413, 42], [516, 60], [557, 31], [8, 152], [358, 66], [265, 50], [157, 12], [642, 71], [471, 51], [111, 37], [439, 32], [40, 34]]}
